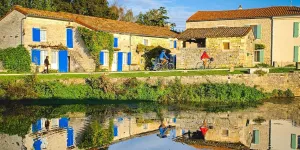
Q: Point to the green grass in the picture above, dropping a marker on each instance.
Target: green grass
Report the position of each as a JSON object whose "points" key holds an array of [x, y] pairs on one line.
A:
{"points": [[282, 70], [127, 74]]}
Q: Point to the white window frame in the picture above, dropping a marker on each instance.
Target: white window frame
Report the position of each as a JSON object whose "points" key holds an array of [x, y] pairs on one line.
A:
{"points": [[106, 58], [45, 36], [56, 60], [148, 42], [44, 54], [125, 59]]}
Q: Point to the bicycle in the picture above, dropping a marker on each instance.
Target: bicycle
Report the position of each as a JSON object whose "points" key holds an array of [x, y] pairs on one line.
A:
{"points": [[159, 66], [200, 65]]}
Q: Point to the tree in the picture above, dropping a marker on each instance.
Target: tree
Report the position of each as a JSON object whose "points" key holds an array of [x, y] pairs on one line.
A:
{"points": [[154, 17]]}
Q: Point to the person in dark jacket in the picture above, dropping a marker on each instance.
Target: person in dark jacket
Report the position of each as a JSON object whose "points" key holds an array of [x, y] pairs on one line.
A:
{"points": [[46, 63]]}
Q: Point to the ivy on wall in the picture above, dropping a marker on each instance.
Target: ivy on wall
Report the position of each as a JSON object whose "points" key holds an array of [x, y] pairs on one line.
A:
{"points": [[96, 41], [57, 47], [259, 46], [15, 59]]}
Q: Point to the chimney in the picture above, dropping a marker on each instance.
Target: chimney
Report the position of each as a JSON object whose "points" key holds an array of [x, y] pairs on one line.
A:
{"points": [[240, 7]]}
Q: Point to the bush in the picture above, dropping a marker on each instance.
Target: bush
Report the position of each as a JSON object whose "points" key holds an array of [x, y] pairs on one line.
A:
{"points": [[15, 59], [259, 46], [260, 72], [259, 120], [262, 65], [282, 94]]}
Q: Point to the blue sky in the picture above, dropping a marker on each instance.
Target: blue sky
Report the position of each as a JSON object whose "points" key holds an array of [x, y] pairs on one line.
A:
{"points": [[180, 10]]}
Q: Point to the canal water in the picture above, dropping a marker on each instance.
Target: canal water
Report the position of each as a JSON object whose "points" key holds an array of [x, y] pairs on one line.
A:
{"points": [[148, 126]]}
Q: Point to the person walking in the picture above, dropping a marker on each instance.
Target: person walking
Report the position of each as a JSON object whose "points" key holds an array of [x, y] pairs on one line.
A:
{"points": [[46, 63]]}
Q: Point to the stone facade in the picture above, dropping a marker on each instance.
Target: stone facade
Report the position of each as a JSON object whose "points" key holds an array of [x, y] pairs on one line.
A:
{"points": [[10, 33], [240, 53], [266, 31]]}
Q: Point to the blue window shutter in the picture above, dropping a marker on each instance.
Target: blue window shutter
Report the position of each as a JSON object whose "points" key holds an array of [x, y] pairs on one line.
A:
{"points": [[120, 61], [129, 58], [36, 56], [116, 42], [101, 58], [296, 53], [63, 61], [175, 44], [115, 130], [258, 30], [296, 30], [69, 38], [36, 35], [70, 140]]}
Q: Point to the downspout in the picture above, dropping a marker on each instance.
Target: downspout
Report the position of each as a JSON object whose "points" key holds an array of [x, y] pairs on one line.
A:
{"points": [[272, 53], [22, 22]]}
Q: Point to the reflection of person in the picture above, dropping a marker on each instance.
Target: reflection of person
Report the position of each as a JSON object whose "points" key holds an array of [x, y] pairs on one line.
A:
{"points": [[163, 57], [204, 57], [47, 124], [204, 128], [46, 63], [162, 130]]}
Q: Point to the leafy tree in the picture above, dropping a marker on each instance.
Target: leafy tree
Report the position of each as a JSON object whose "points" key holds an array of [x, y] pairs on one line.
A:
{"points": [[154, 17]]}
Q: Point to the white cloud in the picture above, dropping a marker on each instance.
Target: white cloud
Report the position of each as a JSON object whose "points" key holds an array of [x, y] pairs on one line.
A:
{"points": [[177, 14]]}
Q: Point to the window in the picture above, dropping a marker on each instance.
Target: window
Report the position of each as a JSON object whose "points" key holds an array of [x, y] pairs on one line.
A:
{"points": [[201, 43], [259, 56], [43, 35], [171, 44], [105, 59], [54, 60], [146, 42], [256, 31], [225, 133], [226, 45], [255, 137], [44, 54], [125, 58]]}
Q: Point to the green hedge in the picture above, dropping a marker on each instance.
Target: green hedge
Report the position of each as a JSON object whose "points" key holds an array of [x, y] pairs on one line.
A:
{"points": [[15, 59]]}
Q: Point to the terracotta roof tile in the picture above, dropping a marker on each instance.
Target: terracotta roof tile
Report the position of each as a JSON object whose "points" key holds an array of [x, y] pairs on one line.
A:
{"points": [[245, 13], [102, 24], [194, 33]]}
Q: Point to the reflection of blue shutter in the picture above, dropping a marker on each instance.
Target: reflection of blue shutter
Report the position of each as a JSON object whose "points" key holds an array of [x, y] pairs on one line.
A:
{"points": [[175, 44], [183, 131], [63, 122], [37, 126], [36, 56], [101, 58], [120, 61], [37, 145], [36, 35], [116, 42], [70, 140], [115, 130], [174, 120], [70, 38], [129, 58]]}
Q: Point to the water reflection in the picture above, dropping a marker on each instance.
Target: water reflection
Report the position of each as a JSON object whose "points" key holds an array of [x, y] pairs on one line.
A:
{"points": [[273, 125]]}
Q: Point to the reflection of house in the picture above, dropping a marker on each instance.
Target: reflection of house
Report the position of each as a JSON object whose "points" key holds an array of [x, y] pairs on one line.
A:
{"points": [[275, 27], [228, 46], [41, 138], [47, 33]]}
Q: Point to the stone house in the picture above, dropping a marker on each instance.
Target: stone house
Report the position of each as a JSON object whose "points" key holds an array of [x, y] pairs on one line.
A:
{"points": [[229, 46], [46, 33], [277, 28]]}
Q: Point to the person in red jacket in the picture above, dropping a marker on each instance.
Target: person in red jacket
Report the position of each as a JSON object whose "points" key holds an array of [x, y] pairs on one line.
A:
{"points": [[204, 57]]}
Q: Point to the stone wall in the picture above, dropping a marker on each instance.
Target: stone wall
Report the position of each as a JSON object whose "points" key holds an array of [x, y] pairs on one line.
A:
{"points": [[10, 30], [240, 53], [265, 31]]}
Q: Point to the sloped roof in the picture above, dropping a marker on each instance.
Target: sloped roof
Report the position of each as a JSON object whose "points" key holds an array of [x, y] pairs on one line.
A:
{"points": [[245, 13], [195, 33], [101, 24]]}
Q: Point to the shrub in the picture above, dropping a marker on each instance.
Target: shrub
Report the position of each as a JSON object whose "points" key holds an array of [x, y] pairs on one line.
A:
{"points": [[260, 72], [259, 120], [263, 65], [259, 46], [15, 59]]}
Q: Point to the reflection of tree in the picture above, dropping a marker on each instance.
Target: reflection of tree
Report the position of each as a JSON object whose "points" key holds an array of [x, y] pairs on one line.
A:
{"points": [[295, 113]]}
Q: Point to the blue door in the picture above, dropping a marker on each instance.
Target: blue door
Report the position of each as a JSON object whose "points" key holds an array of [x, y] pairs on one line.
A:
{"points": [[120, 61], [70, 140], [37, 145], [63, 122], [36, 56], [70, 38], [63, 61], [37, 126], [115, 130]]}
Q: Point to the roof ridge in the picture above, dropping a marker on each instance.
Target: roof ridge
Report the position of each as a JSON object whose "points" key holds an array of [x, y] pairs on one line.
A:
{"points": [[246, 9], [18, 7]]}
